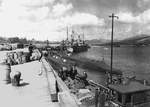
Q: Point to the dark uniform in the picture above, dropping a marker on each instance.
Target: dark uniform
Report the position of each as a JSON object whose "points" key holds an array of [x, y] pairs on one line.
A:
{"points": [[30, 48], [73, 72]]}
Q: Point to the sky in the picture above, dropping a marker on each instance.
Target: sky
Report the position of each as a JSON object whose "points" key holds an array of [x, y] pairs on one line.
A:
{"points": [[49, 19]]}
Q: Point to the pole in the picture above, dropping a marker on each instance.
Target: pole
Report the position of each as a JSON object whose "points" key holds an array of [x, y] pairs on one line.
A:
{"points": [[83, 38], [47, 43], [67, 33], [96, 98], [111, 64]]}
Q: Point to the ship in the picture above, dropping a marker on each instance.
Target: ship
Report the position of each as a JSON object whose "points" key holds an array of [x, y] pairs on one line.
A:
{"points": [[75, 45], [78, 45]]}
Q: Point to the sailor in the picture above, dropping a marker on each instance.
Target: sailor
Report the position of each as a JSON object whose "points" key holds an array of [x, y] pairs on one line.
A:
{"points": [[60, 72], [64, 73], [41, 55], [30, 48], [84, 77], [45, 53], [28, 57], [119, 79], [70, 69], [103, 59], [108, 78], [145, 82], [73, 72]]}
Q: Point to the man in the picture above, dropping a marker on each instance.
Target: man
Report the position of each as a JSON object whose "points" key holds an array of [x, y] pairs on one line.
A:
{"points": [[64, 76], [30, 48], [73, 72]]}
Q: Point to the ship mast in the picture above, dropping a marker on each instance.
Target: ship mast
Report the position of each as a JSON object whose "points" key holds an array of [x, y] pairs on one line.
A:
{"points": [[47, 42], [72, 37], [111, 64], [83, 37], [67, 33], [79, 38]]}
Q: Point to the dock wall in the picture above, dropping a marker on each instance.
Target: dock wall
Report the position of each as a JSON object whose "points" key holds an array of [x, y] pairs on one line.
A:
{"points": [[65, 98]]}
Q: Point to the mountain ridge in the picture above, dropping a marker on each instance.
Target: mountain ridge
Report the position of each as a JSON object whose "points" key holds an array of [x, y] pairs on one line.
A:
{"points": [[138, 40]]}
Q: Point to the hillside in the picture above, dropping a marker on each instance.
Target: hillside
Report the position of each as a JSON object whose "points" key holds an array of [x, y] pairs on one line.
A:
{"points": [[142, 39], [97, 41], [138, 40]]}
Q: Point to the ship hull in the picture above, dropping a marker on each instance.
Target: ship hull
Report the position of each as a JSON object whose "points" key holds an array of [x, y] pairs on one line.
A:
{"points": [[77, 49]]}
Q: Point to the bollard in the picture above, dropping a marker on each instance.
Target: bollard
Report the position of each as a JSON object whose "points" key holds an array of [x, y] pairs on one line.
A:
{"points": [[15, 78], [5, 73], [8, 71]]}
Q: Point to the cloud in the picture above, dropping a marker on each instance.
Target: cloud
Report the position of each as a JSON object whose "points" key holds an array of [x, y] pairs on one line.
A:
{"points": [[61, 9], [82, 19], [21, 18], [42, 19], [145, 17], [128, 17], [38, 3], [37, 14], [143, 4], [36, 19], [133, 24]]}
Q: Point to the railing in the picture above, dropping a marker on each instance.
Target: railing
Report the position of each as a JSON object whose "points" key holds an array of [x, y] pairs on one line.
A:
{"points": [[98, 85]]}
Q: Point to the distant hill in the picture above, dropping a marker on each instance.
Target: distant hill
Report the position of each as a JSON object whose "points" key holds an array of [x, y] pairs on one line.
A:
{"points": [[138, 40], [142, 39], [97, 41], [4, 40]]}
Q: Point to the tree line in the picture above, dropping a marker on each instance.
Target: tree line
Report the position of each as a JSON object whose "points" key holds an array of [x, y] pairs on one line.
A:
{"points": [[19, 40]]}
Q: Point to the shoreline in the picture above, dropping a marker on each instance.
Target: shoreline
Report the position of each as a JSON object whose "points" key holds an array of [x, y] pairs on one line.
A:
{"points": [[84, 63], [89, 64]]}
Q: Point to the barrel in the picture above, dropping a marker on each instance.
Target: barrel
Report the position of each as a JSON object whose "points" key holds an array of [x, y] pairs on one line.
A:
{"points": [[5, 71]]}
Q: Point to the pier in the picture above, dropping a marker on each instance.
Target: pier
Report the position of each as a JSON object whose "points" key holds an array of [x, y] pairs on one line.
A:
{"points": [[38, 88]]}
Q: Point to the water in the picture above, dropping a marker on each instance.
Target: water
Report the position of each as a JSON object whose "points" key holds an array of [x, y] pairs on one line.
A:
{"points": [[96, 76], [128, 59]]}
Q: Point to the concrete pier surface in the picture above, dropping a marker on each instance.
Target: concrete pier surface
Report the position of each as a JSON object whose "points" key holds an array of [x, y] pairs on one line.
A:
{"points": [[33, 90]]}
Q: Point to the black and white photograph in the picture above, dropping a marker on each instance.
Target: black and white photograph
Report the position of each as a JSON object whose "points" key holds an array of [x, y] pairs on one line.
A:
{"points": [[74, 53]]}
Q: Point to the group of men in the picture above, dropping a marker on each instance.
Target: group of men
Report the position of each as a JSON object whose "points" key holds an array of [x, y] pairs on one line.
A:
{"points": [[64, 72]]}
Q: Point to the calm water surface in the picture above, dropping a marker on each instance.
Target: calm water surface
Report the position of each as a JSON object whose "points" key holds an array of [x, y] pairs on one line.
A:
{"points": [[127, 58]]}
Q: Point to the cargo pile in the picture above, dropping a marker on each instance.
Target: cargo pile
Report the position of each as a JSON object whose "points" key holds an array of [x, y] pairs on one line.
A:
{"points": [[14, 58], [5, 47], [35, 55]]}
